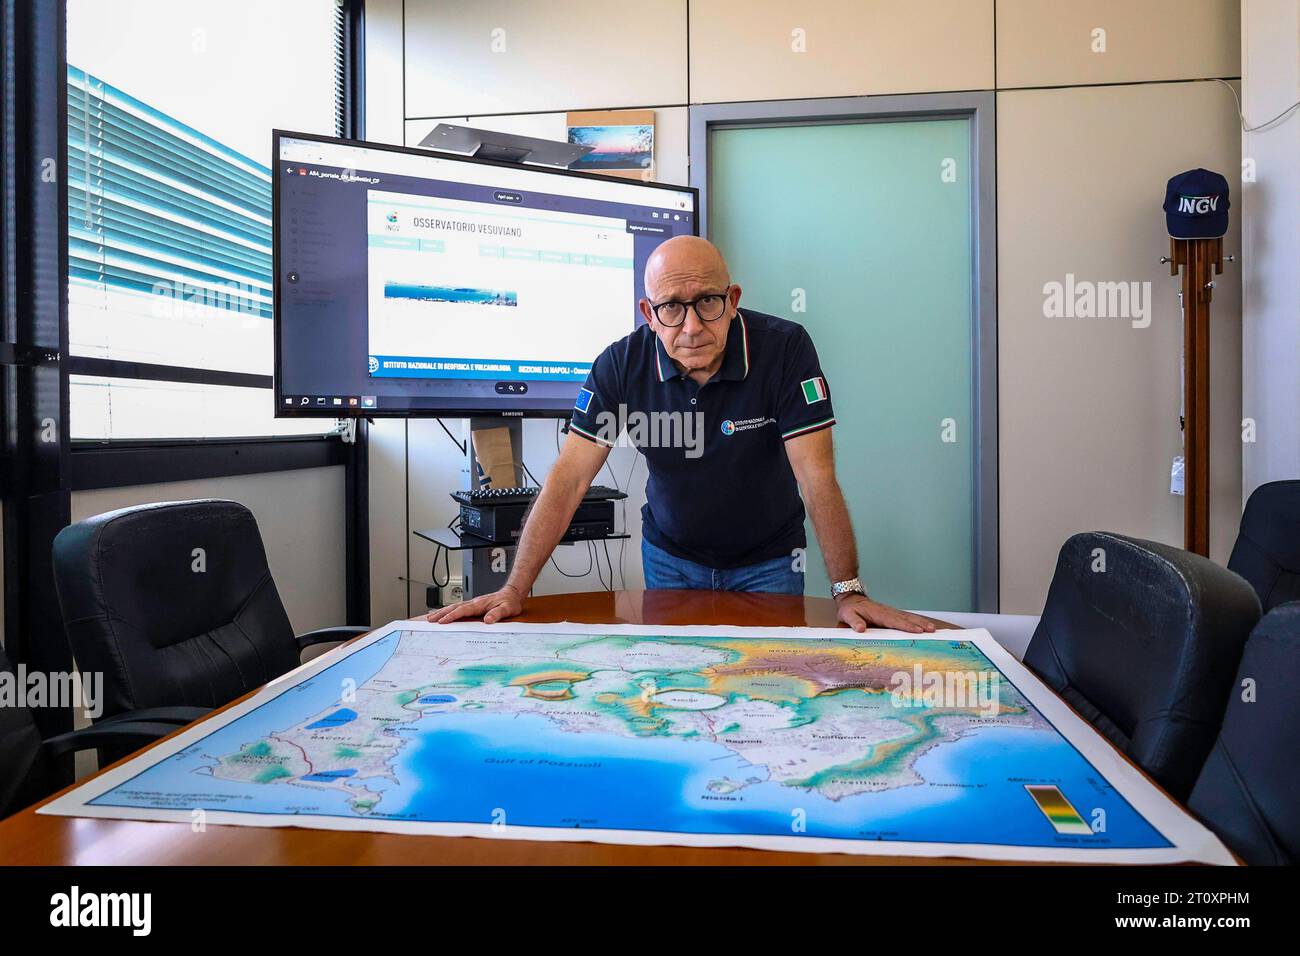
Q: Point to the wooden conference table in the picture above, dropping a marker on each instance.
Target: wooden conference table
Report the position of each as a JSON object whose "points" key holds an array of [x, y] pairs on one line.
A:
{"points": [[27, 838]]}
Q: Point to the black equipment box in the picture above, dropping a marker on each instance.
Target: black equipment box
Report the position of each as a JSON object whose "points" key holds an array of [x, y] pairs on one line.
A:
{"points": [[501, 524]]}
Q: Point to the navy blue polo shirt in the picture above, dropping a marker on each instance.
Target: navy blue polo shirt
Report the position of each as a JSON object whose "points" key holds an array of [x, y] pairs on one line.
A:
{"points": [[721, 491]]}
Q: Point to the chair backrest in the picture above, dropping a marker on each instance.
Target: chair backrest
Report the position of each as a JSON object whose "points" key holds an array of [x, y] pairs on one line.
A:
{"points": [[173, 603], [1142, 640], [1267, 552], [26, 774], [1247, 790]]}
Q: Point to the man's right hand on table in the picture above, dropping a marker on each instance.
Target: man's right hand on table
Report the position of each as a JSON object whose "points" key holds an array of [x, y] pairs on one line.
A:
{"points": [[493, 607]]}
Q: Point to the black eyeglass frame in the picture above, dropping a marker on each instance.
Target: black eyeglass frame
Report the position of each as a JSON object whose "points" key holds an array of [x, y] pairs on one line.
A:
{"points": [[693, 304]]}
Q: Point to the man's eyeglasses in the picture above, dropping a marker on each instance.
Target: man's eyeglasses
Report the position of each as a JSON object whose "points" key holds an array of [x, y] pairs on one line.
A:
{"points": [[708, 307]]}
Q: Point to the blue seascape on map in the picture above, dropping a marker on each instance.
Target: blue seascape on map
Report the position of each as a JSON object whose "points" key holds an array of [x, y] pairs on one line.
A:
{"points": [[525, 772], [176, 775], [522, 770]]}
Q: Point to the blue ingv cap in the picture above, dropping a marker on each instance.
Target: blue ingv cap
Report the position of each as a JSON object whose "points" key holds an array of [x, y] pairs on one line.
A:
{"points": [[1196, 205]]}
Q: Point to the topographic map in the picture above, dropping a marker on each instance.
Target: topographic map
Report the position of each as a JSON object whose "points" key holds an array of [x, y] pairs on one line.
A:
{"points": [[780, 738]]}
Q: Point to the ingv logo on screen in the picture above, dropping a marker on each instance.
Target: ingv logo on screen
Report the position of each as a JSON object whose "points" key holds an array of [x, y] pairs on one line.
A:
{"points": [[74, 908]]}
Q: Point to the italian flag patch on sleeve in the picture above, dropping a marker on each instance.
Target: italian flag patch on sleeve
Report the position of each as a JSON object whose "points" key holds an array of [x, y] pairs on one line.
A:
{"points": [[814, 389]]}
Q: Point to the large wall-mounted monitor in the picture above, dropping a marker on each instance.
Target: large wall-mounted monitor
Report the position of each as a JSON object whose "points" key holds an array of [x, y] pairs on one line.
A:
{"points": [[412, 283]]}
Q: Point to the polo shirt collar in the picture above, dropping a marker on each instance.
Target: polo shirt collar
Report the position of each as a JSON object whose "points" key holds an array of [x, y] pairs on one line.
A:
{"points": [[735, 358]]}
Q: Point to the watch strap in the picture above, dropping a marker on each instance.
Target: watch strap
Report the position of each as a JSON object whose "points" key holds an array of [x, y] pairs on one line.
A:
{"points": [[851, 586]]}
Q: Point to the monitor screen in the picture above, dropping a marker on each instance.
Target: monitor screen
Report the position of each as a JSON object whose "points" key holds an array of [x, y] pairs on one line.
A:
{"points": [[416, 283]]}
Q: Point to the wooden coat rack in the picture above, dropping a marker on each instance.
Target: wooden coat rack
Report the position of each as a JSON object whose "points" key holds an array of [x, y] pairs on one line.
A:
{"points": [[1200, 260]]}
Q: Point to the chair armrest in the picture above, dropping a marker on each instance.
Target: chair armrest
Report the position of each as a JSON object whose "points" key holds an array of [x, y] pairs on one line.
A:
{"points": [[160, 715], [124, 734], [325, 635]]}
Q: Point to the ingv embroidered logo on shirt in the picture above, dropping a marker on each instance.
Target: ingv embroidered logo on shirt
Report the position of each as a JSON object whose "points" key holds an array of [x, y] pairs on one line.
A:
{"points": [[730, 428]]}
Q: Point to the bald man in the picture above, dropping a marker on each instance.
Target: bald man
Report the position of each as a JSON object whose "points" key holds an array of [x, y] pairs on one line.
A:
{"points": [[733, 415]]}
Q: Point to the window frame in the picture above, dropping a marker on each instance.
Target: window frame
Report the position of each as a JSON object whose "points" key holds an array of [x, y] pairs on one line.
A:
{"points": [[124, 462], [41, 466]]}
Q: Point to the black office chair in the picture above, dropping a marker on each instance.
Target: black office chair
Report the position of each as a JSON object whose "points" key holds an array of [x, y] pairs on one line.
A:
{"points": [[1142, 640], [175, 605], [1267, 552], [1246, 792], [29, 768]]}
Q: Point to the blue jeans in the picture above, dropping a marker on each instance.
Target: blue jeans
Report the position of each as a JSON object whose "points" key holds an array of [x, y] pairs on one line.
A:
{"points": [[664, 570]]}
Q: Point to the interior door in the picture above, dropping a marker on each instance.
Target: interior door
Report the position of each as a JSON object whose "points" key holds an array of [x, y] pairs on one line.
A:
{"points": [[861, 232]]}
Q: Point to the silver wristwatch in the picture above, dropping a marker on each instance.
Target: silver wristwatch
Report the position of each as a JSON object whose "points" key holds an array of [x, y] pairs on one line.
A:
{"points": [[851, 586]]}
